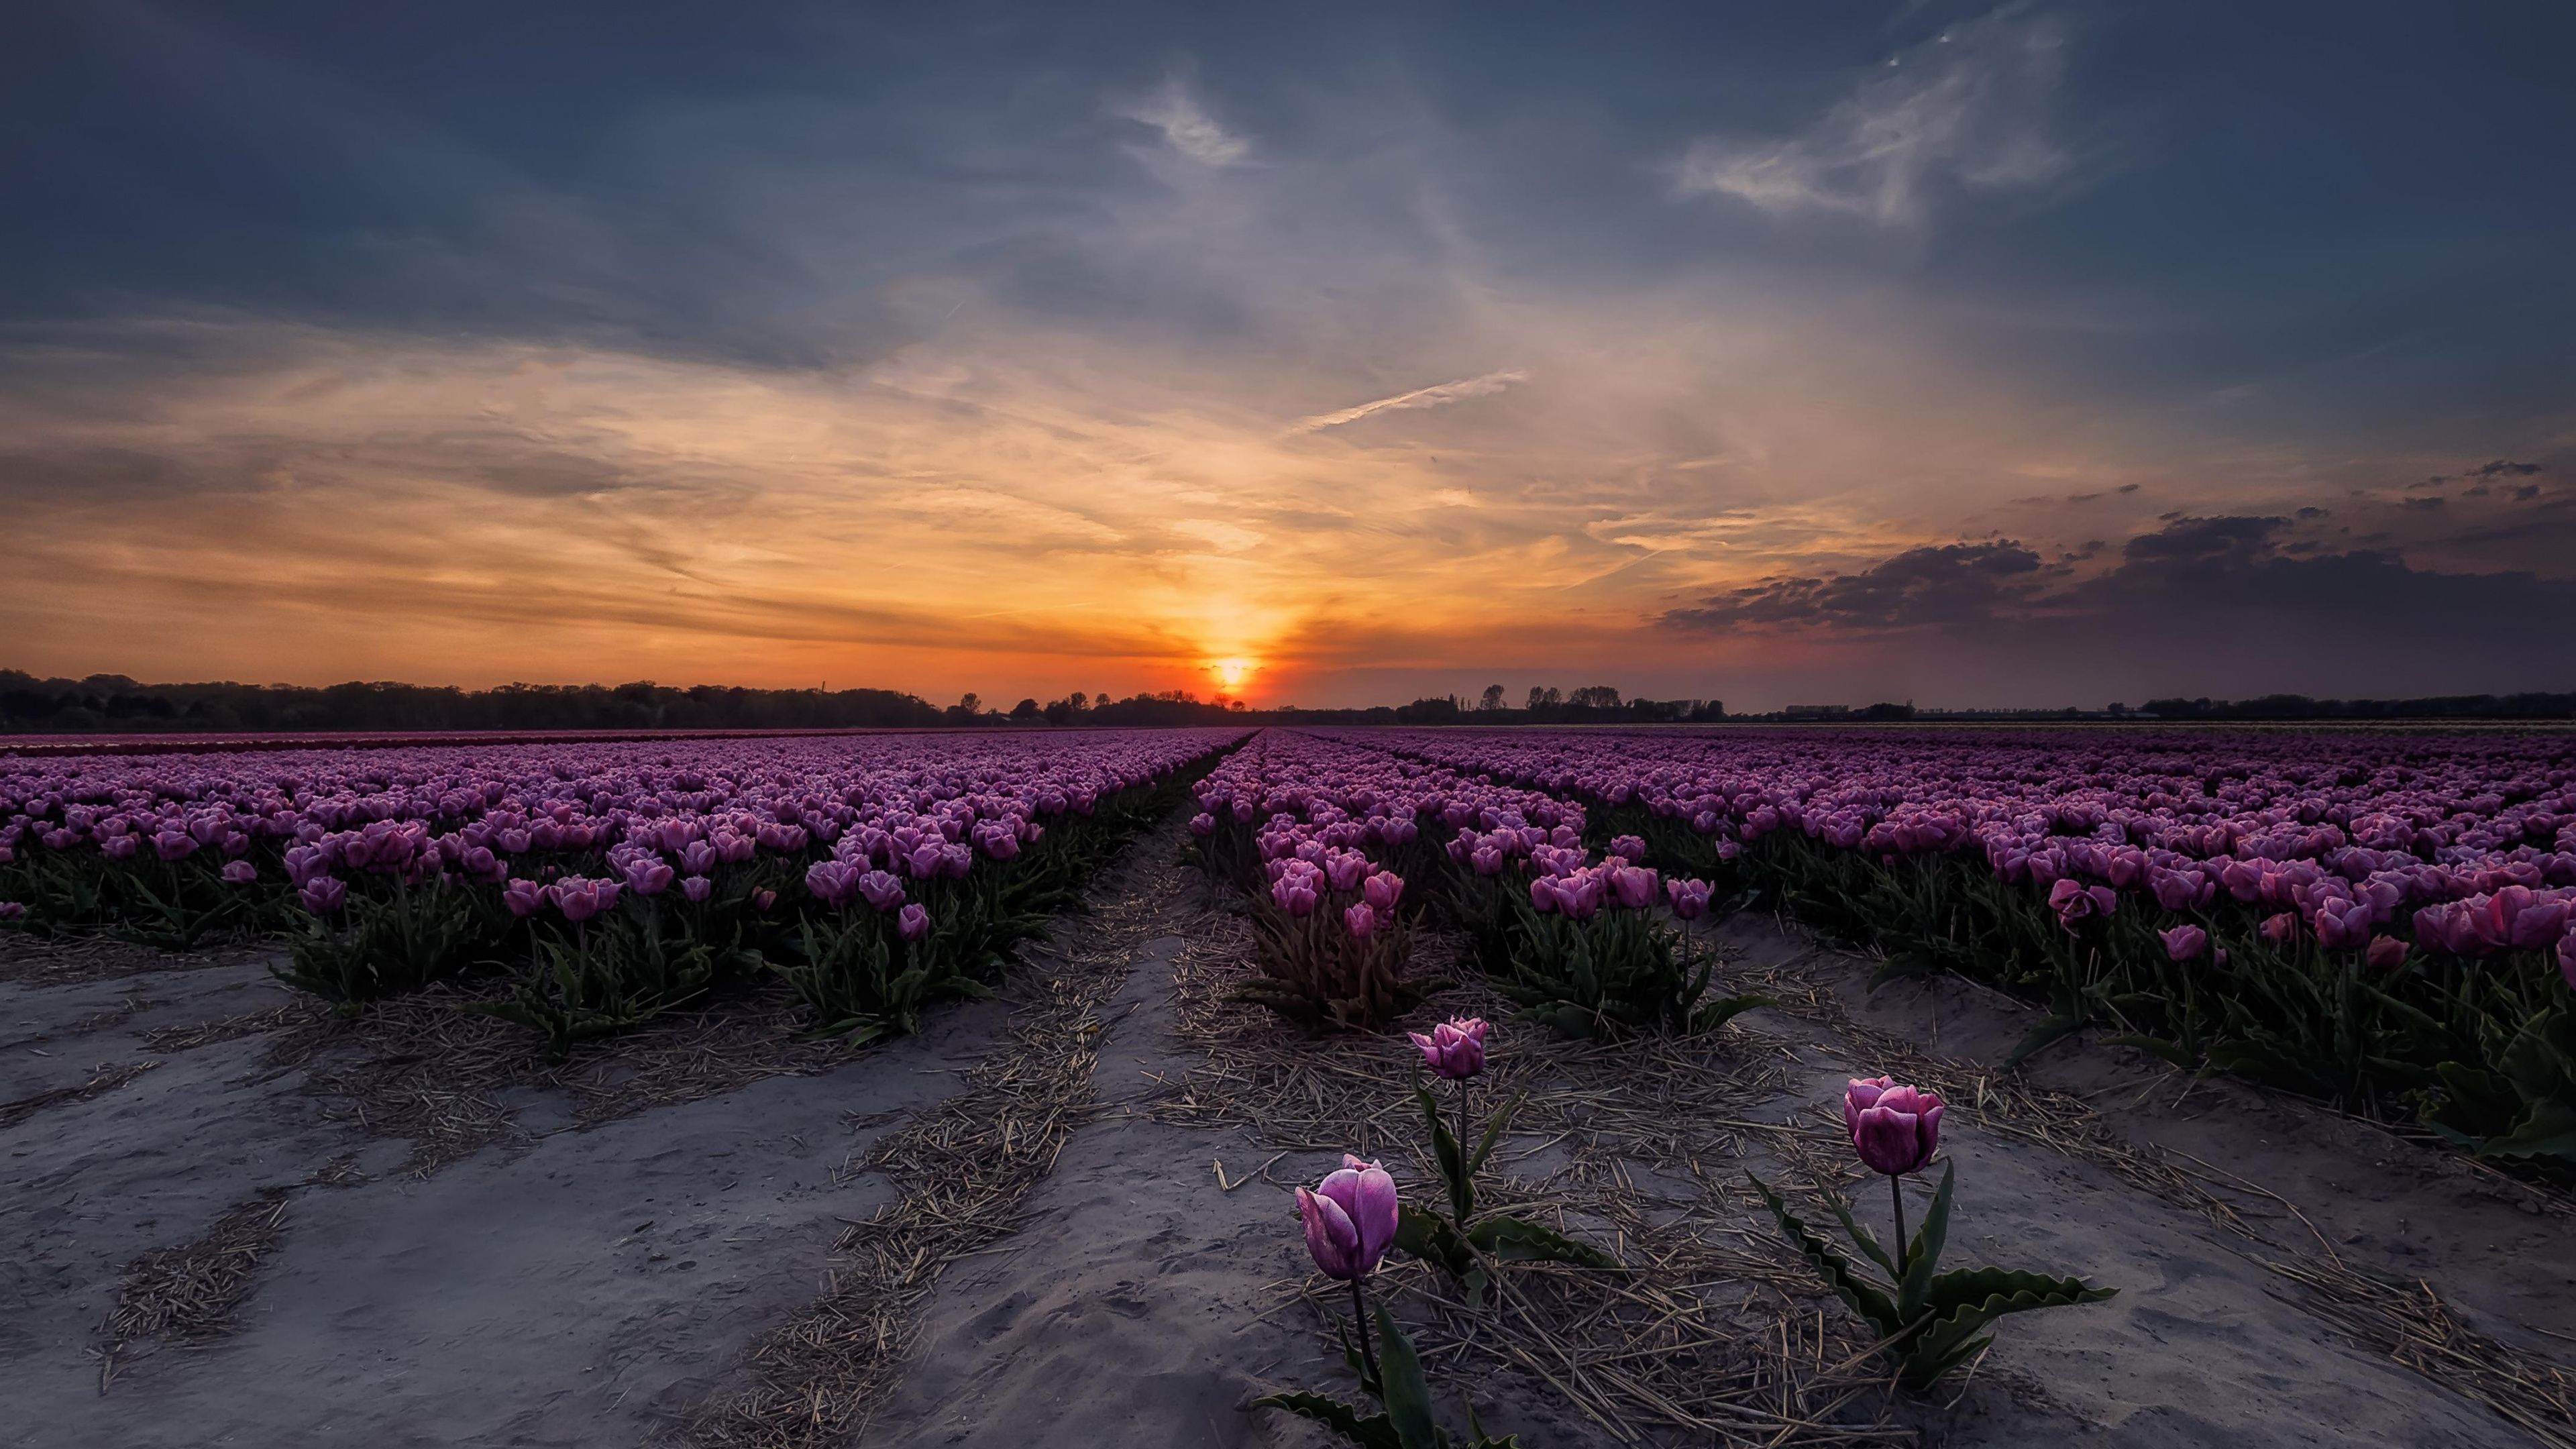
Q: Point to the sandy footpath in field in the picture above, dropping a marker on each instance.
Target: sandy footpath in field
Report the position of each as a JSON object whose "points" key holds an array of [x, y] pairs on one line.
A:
{"points": [[600, 1284], [566, 1287]]}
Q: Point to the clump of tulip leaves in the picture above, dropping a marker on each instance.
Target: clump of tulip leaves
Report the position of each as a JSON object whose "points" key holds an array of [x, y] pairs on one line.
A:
{"points": [[1398, 1384]]}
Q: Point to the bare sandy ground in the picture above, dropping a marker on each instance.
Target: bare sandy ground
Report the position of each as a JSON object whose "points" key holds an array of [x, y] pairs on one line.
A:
{"points": [[578, 1284]]}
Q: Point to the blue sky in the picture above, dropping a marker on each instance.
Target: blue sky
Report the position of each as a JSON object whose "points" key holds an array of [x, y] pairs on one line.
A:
{"points": [[1829, 351]]}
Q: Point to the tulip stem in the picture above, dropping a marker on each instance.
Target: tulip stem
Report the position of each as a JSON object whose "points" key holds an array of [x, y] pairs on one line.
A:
{"points": [[1896, 1189], [1466, 1159], [1368, 1355]]}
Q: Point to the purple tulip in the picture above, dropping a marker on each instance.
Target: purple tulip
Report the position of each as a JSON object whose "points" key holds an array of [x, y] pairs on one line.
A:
{"points": [[1382, 891], [1634, 888], [698, 857], [174, 844], [2567, 958], [1202, 824], [2076, 903], [323, 894], [1294, 894], [2185, 943], [762, 900], [523, 897], [241, 872], [882, 890], [580, 898], [1487, 859], [13, 911], [2281, 929], [1350, 1219], [648, 877], [1360, 920], [1629, 848], [2515, 919], [1346, 870], [2341, 924], [696, 888], [1455, 1050], [2385, 953], [834, 882], [1895, 1129], [913, 922], [1689, 897]]}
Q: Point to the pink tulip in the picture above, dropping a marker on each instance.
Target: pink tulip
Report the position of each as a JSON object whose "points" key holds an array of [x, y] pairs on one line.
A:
{"points": [[1350, 1219], [1360, 920], [1634, 888], [2385, 953], [1454, 1050], [1382, 891], [649, 877], [1689, 897], [2281, 929], [1895, 1129], [580, 899], [2342, 924]]}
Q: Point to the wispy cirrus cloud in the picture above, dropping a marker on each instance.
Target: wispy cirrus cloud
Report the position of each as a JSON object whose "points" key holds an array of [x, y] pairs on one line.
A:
{"points": [[1174, 108], [1970, 107], [1437, 395]]}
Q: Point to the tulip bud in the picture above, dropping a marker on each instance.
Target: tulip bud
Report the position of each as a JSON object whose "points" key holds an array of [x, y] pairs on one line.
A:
{"points": [[1360, 920], [696, 888], [241, 872], [2185, 943], [323, 894], [913, 921], [2385, 953]]}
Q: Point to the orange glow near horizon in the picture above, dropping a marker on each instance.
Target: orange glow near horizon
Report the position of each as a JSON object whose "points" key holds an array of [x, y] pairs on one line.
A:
{"points": [[1003, 512]]}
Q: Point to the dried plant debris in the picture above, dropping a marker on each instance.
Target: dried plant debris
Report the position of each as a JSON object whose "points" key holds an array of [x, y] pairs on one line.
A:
{"points": [[73, 958], [964, 1170], [104, 1078], [423, 1069], [186, 1296], [172, 1039]]}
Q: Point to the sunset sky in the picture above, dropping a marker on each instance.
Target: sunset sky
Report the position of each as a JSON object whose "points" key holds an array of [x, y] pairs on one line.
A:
{"points": [[1835, 351]]}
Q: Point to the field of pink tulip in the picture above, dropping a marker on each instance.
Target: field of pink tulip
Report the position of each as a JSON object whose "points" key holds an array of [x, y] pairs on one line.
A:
{"points": [[613, 882], [2382, 920]]}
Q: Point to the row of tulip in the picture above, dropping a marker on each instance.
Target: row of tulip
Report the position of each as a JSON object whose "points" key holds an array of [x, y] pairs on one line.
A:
{"points": [[2383, 919], [1311, 826], [875, 874]]}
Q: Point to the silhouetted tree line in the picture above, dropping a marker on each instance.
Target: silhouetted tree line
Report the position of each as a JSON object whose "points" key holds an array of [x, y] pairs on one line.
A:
{"points": [[2300, 707], [114, 702]]}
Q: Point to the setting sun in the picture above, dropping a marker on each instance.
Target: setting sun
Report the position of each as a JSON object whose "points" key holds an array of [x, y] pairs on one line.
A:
{"points": [[1232, 672]]}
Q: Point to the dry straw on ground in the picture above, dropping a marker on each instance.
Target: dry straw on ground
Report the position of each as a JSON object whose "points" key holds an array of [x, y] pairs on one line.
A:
{"points": [[1708, 1336], [964, 1170], [184, 1296], [106, 1077]]}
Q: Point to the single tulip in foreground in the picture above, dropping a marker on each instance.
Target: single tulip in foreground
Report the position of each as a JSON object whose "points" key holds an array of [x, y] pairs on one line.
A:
{"points": [[1927, 1322]]}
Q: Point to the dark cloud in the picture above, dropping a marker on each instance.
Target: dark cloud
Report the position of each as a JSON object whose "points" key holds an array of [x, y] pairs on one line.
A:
{"points": [[2500, 468], [2425, 505], [1953, 582], [2222, 595], [2126, 488]]}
